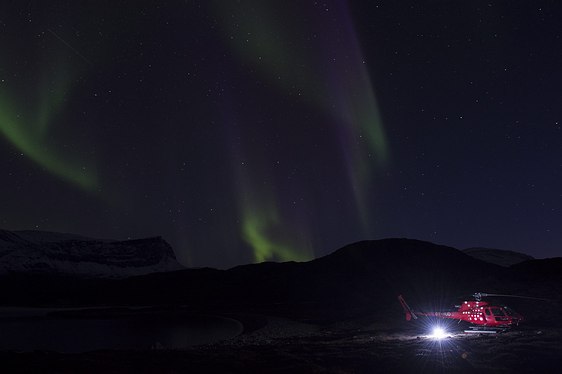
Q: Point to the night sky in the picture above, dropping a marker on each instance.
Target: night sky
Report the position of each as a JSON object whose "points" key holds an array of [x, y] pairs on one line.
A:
{"points": [[252, 130]]}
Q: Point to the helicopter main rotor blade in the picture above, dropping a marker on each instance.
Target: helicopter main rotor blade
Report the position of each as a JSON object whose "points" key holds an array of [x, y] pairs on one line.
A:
{"points": [[479, 295]]}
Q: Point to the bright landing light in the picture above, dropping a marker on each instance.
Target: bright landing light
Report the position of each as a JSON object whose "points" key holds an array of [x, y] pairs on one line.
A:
{"points": [[438, 333]]}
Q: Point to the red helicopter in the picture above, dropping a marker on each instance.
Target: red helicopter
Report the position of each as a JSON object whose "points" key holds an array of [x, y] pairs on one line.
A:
{"points": [[482, 315]]}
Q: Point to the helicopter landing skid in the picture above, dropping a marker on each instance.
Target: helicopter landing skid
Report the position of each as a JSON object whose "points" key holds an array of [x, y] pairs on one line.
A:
{"points": [[484, 330]]}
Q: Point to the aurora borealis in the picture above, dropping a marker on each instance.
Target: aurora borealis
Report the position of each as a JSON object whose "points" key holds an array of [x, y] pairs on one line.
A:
{"points": [[342, 90], [246, 131], [26, 121]]}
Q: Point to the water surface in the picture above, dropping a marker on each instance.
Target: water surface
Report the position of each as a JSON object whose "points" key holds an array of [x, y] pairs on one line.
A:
{"points": [[32, 331]]}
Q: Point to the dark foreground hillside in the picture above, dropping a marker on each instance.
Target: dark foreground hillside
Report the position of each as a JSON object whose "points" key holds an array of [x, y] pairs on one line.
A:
{"points": [[335, 314]]}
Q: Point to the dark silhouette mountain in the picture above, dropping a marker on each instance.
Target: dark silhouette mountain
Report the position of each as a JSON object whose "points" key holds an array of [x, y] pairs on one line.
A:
{"points": [[350, 281], [360, 279], [497, 256]]}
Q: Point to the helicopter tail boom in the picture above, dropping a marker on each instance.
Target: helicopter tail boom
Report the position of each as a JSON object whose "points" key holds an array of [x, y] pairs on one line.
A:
{"points": [[409, 312]]}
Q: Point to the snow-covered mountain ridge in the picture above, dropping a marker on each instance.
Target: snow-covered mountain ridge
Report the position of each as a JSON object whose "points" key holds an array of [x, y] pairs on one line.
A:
{"points": [[37, 252]]}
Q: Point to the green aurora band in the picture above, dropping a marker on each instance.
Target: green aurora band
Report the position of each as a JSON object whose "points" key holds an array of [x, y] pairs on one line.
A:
{"points": [[257, 232], [262, 228], [275, 48], [27, 127]]}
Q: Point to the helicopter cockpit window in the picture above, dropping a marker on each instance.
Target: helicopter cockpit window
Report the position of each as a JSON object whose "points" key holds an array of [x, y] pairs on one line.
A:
{"points": [[508, 311], [498, 312]]}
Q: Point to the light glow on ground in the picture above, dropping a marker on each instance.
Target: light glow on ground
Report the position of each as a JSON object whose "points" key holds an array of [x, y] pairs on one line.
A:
{"points": [[438, 333]]}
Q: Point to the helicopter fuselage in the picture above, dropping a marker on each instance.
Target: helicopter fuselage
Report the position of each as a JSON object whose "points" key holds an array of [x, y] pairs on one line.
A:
{"points": [[480, 313]]}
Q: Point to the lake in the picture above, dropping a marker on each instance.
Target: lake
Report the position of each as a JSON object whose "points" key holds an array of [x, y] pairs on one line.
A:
{"points": [[30, 330]]}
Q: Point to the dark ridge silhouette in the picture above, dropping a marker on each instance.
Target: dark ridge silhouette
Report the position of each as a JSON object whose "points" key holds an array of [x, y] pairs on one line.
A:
{"points": [[498, 256], [38, 236], [359, 279]]}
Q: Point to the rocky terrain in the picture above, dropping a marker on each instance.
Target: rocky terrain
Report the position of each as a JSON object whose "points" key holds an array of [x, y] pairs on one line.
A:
{"points": [[287, 346]]}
